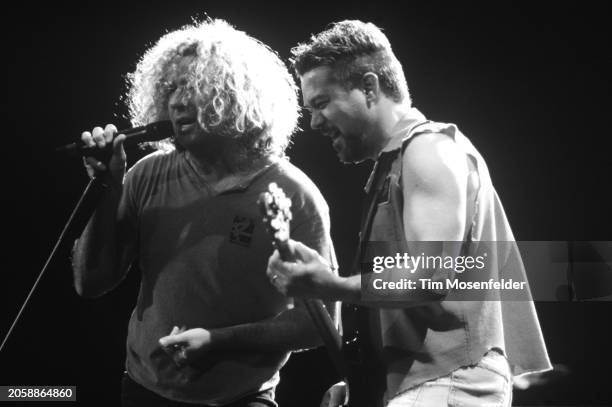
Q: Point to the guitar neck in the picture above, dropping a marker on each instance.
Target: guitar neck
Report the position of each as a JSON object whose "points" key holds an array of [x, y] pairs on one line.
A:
{"points": [[275, 208], [321, 319], [331, 338], [285, 251]]}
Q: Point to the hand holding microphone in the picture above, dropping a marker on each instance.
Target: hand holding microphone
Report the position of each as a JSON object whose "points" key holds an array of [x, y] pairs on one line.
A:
{"points": [[103, 150], [99, 139]]}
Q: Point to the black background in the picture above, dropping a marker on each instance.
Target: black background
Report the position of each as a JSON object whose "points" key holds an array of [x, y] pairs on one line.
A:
{"points": [[529, 86]]}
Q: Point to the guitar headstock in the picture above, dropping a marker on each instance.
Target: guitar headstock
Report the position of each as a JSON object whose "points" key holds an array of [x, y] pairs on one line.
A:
{"points": [[276, 210]]}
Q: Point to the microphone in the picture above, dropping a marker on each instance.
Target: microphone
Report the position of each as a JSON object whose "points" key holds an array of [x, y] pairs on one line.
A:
{"points": [[151, 132]]}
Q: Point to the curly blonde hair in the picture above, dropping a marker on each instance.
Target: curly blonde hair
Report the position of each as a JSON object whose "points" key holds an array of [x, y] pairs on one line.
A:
{"points": [[242, 88]]}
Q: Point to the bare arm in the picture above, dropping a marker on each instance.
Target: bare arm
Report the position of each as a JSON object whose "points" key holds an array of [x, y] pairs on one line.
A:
{"points": [[434, 187], [434, 190], [103, 253]]}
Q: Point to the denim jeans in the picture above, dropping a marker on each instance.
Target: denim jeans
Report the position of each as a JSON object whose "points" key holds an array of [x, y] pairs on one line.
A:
{"points": [[135, 395], [486, 384]]}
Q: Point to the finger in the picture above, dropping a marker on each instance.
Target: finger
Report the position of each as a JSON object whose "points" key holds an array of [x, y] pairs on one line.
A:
{"points": [[273, 262], [285, 270], [88, 168], [280, 283], [275, 257], [303, 252], [278, 267], [274, 280], [109, 132], [87, 139], [98, 136], [172, 340], [94, 164], [118, 144]]}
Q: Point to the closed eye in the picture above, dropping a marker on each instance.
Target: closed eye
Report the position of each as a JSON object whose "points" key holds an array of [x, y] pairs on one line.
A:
{"points": [[321, 105]]}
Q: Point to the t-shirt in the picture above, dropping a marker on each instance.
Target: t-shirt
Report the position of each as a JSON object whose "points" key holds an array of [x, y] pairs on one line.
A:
{"points": [[203, 257]]}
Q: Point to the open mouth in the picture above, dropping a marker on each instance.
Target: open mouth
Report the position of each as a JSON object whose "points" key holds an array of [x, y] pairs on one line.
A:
{"points": [[186, 127], [185, 124], [333, 134]]}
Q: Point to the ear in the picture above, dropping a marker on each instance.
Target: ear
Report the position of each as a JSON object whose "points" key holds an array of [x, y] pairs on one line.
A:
{"points": [[371, 87]]}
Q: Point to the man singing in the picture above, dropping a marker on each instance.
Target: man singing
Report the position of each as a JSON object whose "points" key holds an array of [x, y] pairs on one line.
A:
{"points": [[429, 184], [208, 327]]}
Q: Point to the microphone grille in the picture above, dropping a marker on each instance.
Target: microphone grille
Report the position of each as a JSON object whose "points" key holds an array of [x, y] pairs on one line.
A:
{"points": [[159, 130]]}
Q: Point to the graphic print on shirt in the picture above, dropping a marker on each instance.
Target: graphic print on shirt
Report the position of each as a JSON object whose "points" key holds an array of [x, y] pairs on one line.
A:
{"points": [[242, 230]]}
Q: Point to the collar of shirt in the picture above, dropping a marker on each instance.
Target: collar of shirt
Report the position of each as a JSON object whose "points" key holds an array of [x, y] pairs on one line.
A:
{"points": [[402, 129], [234, 182], [399, 133]]}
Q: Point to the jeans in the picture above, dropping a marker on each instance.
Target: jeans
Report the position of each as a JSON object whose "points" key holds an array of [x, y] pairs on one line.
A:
{"points": [[135, 395], [486, 384]]}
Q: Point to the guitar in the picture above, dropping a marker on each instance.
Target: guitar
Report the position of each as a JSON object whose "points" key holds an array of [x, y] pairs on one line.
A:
{"points": [[364, 378], [276, 211]]}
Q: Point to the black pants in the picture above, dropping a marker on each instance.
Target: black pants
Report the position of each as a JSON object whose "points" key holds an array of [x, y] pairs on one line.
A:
{"points": [[134, 395]]}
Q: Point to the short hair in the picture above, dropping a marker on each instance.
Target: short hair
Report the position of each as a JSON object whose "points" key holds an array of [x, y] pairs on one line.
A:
{"points": [[352, 48], [242, 88]]}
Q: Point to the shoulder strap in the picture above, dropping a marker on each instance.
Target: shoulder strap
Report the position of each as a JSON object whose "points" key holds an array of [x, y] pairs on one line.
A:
{"points": [[381, 169]]}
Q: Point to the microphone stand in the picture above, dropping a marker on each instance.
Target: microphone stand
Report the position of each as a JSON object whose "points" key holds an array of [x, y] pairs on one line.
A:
{"points": [[83, 210]]}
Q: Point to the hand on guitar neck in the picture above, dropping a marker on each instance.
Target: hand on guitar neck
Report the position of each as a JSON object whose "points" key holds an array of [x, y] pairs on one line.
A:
{"points": [[297, 270], [276, 210], [309, 275]]}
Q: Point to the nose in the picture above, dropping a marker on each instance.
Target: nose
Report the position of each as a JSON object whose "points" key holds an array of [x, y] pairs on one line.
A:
{"points": [[177, 100], [316, 120]]}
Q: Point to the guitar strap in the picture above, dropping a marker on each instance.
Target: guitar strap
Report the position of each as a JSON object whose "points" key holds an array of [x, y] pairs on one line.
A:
{"points": [[368, 376], [362, 319], [375, 185]]}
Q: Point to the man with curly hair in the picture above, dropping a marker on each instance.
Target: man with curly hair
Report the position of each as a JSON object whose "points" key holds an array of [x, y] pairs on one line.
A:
{"points": [[431, 346], [208, 328]]}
